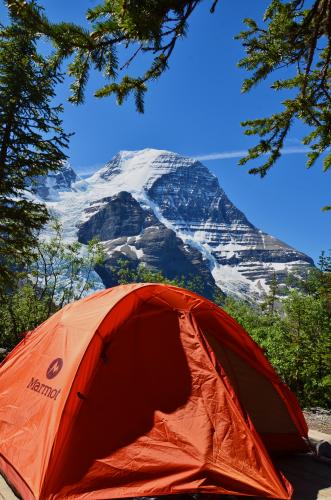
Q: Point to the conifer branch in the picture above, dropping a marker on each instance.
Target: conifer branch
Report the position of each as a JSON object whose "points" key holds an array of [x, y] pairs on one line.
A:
{"points": [[290, 37]]}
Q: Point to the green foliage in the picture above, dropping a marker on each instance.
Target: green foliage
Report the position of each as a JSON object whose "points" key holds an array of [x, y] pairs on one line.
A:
{"points": [[124, 272], [63, 272], [308, 334], [295, 335], [270, 302], [20, 312], [299, 38], [31, 141], [60, 273], [317, 282], [148, 27]]}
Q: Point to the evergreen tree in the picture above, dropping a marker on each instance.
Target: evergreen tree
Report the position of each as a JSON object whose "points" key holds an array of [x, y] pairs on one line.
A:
{"points": [[270, 302], [31, 141], [295, 34], [144, 27], [324, 264]]}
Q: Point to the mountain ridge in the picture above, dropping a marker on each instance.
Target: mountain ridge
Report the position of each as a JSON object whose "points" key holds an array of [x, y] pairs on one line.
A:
{"points": [[185, 198]]}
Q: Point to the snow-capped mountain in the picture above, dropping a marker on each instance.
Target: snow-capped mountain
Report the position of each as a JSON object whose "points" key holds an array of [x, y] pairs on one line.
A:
{"points": [[170, 213], [48, 187]]}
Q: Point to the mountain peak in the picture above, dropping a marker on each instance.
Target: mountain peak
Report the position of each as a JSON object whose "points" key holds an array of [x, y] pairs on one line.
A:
{"points": [[49, 186], [137, 171], [147, 153]]}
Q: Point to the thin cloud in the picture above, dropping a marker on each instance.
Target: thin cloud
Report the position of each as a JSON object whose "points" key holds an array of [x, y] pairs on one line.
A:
{"points": [[224, 155]]}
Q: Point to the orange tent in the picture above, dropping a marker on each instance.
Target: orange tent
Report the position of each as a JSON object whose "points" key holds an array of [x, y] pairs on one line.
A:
{"points": [[143, 390]]}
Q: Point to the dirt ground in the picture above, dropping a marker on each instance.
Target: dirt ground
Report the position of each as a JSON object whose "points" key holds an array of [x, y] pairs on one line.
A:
{"points": [[318, 419]]}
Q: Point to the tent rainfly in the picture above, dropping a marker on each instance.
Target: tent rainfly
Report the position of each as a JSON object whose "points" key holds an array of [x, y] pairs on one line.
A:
{"points": [[143, 390]]}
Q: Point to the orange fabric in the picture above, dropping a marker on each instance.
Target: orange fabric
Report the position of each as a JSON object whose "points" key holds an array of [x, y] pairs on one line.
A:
{"points": [[117, 395]]}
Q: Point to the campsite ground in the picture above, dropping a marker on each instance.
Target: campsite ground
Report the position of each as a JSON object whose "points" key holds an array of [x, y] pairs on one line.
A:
{"points": [[318, 419]]}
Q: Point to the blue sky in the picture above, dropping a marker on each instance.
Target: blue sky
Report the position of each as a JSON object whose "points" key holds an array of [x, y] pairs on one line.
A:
{"points": [[195, 109]]}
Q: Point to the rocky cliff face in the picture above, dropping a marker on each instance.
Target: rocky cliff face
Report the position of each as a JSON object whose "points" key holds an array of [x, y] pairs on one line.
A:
{"points": [[197, 207], [48, 187], [170, 213], [131, 232]]}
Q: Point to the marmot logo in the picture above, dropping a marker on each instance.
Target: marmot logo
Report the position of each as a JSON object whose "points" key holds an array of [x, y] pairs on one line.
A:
{"points": [[54, 368], [43, 389]]}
